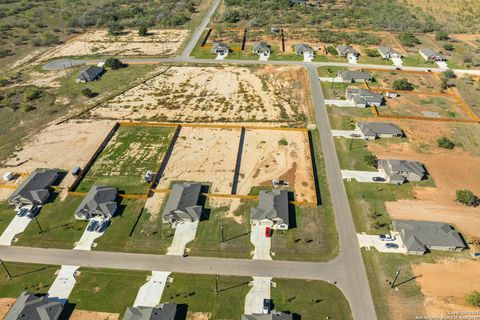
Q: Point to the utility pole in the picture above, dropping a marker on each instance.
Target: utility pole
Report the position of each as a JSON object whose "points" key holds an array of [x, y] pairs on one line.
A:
{"points": [[38, 224], [351, 144], [222, 229], [6, 270], [395, 278], [216, 284]]}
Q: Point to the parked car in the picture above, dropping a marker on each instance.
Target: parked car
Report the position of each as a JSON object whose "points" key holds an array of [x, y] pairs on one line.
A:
{"points": [[92, 225], [102, 225], [268, 232], [267, 304], [391, 245], [386, 237], [21, 212], [378, 179], [33, 212]]}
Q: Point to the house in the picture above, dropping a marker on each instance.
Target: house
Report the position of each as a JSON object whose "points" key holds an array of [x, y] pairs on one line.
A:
{"points": [[362, 98], [100, 202], [388, 53], [272, 209], [422, 236], [375, 130], [261, 48], [292, 2], [220, 48], [346, 51], [92, 73], [349, 76], [302, 49], [164, 311], [401, 171], [431, 55], [274, 315], [34, 190], [29, 306], [182, 204]]}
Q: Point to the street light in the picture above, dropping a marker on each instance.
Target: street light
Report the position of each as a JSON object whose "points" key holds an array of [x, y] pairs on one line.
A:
{"points": [[395, 278], [222, 227]]}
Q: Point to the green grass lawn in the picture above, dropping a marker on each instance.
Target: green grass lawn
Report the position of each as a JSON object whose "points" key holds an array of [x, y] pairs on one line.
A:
{"points": [[106, 290], [312, 300], [415, 60], [329, 71], [131, 152], [352, 153], [6, 215], [26, 277], [198, 292], [364, 59], [60, 229]]}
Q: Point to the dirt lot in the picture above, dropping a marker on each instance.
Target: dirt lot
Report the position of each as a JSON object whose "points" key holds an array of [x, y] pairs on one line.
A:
{"points": [[5, 305], [203, 155], [159, 42], [446, 284], [93, 315], [421, 82], [264, 158], [215, 94]]}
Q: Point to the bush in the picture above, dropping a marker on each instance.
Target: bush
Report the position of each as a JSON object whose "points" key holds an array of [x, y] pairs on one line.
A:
{"points": [[332, 50], [445, 143], [283, 142], [449, 74], [232, 16], [87, 92], [32, 94], [441, 35], [113, 63], [372, 53], [143, 31], [448, 47], [115, 29], [467, 198], [371, 160], [25, 107], [402, 84], [473, 298], [408, 39]]}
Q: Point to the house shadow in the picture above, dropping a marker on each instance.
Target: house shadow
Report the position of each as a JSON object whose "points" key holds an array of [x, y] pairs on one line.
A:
{"points": [[182, 310], [292, 212], [120, 209], [67, 311], [202, 201], [60, 176], [51, 199]]}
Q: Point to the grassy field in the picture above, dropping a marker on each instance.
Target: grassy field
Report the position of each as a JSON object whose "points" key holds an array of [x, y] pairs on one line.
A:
{"points": [[312, 300], [131, 152], [60, 229], [106, 290], [6, 215], [26, 277], [352, 153], [415, 60], [198, 292]]}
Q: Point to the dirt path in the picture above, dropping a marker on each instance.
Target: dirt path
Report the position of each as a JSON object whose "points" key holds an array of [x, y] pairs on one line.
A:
{"points": [[92, 315]]}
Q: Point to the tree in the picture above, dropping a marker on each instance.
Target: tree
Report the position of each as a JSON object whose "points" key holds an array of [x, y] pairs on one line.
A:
{"points": [[444, 83], [448, 47], [444, 142], [115, 29], [87, 92], [232, 16], [402, 84], [33, 94], [449, 74], [441, 35], [143, 31], [113, 63], [473, 298], [467, 197], [371, 159], [372, 53], [408, 39], [331, 50], [467, 59]]}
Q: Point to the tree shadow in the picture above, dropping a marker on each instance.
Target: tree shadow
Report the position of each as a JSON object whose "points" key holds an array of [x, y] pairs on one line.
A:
{"points": [[234, 286]]}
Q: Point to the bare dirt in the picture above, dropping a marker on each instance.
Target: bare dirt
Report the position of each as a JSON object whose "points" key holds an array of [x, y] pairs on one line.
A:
{"points": [[470, 39], [232, 204], [158, 42], [446, 284], [264, 159], [199, 316], [93, 315], [154, 204], [5, 305], [215, 94], [421, 82]]}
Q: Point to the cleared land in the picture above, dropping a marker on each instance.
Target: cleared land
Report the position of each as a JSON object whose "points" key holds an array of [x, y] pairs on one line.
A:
{"points": [[422, 82], [269, 94]]}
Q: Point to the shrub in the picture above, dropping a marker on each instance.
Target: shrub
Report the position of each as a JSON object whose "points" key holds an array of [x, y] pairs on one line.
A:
{"points": [[449, 74], [113, 63], [445, 143], [448, 47], [32, 94], [331, 50], [232, 16], [25, 107], [143, 31], [372, 53], [283, 142], [87, 92], [115, 29], [473, 298], [371, 159], [441, 35], [402, 84], [467, 197], [408, 39]]}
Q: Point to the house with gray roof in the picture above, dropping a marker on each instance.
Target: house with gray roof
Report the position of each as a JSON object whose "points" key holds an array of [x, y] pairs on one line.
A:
{"points": [[349, 76], [421, 236], [302, 49], [35, 189], [362, 98], [261, 48], [345, 51], [100, 202], [274, 315], [401, 171], [388, 53], [89, 74], [431, 55], [272, 209], [29, 306], [220, 48], [375, 130], [182, 204], [164, 311]]}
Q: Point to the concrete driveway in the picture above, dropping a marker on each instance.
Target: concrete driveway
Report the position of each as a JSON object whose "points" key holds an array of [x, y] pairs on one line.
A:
{"points": [[87, 240], [64, 283], [352, 59], [16, 226], [348, 134], [307, 57], [221, 56], [369, 241], [329, 79], [261, 242], [184, 233], [362, 176], [260, 290], [340, 103], [397, 62], [264, 57], [442, 64], [151, 292]]}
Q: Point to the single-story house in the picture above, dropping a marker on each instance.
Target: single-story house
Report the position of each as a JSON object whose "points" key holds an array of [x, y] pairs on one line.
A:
{"points": [[362, 98], [302, 48], [431, 55], [389, 53], [34, 190], [272, 209], [401, 171], [182, 204], [345, 51], [164, 311], [349, 76], [91, 73], [220, 48], [100, 201], [30, 306], [274, 315], [421, 236], [298, 2], [374, 130], [261, 48]]}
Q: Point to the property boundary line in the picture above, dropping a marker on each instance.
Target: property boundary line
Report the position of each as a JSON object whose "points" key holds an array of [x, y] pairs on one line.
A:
{"points": [[206, 125], [399, 71], [465, 106], [427, 119]]}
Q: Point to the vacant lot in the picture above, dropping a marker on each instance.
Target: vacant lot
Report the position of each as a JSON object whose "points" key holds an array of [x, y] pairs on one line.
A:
{"points": [[129, 155], [99, 42], [469, 89], [284, 155], [426, 82], [209, 94]]}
